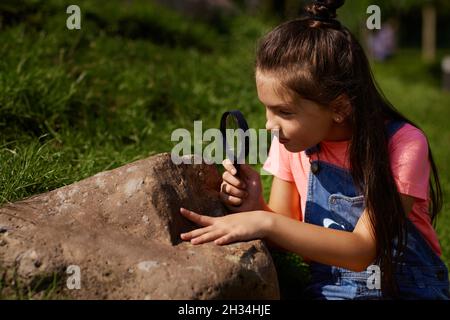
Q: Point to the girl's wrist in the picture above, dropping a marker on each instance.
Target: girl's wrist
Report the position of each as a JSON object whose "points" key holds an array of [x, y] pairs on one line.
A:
{"points": [[267, 222]]}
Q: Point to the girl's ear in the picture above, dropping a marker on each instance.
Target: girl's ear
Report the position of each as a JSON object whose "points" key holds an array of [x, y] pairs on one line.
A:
{"points": [[341, 108]]}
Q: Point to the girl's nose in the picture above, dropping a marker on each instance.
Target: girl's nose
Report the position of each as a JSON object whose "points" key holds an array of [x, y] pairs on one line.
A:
{"points": [[270, 126]]}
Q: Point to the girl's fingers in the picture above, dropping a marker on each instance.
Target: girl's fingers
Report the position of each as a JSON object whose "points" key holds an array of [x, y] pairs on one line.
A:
{"points": [[230, 179], [197, 218], [226, 239], [228, 165], [230, 200], [207, 237], [195, 233], [233, 191]]}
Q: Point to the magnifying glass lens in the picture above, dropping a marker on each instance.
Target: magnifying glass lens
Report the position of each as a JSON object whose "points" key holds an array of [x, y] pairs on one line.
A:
{"points": [[235, 141]]}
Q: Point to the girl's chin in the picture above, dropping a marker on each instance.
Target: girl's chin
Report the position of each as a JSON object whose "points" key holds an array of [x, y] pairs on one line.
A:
{"points": [[292, 147]]}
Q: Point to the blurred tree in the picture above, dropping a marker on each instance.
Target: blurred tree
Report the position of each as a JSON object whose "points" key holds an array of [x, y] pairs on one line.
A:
{"points": [[392, 9], [429, 10], [354, 16], [428, 32]]}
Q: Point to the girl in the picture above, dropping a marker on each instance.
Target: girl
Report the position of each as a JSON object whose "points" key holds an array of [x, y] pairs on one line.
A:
{"points": [[352, 183]]}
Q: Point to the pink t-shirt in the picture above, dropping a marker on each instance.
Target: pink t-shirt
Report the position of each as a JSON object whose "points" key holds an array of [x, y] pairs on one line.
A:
{"points": [[410, 165]]}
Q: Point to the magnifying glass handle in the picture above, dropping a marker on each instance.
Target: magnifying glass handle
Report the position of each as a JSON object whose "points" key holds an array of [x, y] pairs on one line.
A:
{"points": [[238, 169], [242, 124]]}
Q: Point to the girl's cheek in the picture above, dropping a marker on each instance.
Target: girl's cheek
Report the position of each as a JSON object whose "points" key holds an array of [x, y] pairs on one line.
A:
{"points": [[293, 130]]}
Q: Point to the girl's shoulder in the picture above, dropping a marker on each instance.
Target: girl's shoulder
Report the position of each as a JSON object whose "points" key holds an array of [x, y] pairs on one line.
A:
{"points": [[408, 135], [409, 152]]}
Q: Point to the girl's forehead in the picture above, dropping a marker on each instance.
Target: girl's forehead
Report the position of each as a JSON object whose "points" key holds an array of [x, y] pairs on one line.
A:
{"points": [[268, 84], [264, 77], [270, 88]]}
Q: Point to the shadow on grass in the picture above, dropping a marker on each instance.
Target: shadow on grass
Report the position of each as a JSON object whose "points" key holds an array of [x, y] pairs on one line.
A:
{"points": [[293, 274]]}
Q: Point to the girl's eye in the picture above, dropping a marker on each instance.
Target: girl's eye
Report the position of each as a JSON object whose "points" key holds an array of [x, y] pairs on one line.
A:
{"points": [[285, 113]]}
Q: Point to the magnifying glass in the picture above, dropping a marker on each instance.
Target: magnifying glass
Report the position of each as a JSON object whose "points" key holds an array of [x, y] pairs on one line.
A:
{"points": [[235, 120]]}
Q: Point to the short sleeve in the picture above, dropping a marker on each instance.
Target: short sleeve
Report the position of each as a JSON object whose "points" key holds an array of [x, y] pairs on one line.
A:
{"points": [[409, 161], [277, 162]]}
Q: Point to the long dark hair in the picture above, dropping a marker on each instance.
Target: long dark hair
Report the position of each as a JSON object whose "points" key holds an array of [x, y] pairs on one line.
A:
{"points": [[319, 59]]}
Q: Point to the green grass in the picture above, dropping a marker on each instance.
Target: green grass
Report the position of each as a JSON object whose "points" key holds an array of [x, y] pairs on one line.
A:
{"points": [[45, 287], [74, 103]]}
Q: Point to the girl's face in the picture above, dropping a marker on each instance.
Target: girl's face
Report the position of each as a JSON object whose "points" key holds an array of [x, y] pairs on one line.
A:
{"points": [[301, 123]]}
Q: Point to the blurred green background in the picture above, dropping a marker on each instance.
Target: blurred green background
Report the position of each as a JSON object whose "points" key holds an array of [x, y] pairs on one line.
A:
{"points": [[77, 102]]}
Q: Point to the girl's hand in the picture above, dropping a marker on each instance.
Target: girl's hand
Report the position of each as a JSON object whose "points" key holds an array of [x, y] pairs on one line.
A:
{"points": [[243, 193], [227, 229]]}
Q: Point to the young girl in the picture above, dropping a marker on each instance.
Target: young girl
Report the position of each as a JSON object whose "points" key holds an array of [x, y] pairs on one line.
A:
{"points": [[351, 185]]}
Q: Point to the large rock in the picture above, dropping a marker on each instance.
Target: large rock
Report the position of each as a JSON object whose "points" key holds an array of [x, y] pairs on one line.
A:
{"points": [[121, 227]]}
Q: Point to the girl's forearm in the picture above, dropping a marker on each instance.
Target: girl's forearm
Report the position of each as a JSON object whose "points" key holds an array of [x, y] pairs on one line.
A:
{"points": [[344, 249]]}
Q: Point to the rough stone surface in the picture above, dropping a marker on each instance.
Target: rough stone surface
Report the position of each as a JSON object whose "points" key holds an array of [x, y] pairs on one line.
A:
{"points": [[121, 227]]}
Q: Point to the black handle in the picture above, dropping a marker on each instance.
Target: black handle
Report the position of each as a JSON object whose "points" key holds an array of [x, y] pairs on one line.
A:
{"points": [[242, 124]]}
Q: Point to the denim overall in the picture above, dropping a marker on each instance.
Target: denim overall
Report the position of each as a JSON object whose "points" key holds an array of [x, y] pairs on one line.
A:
{"points": [[333, 202]]}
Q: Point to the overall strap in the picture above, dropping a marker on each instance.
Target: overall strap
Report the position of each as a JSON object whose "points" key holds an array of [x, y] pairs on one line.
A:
{"points": [[393, 126]]}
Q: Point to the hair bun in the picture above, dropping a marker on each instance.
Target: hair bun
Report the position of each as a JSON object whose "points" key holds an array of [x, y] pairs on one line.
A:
{"points": [[324, 9]]}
